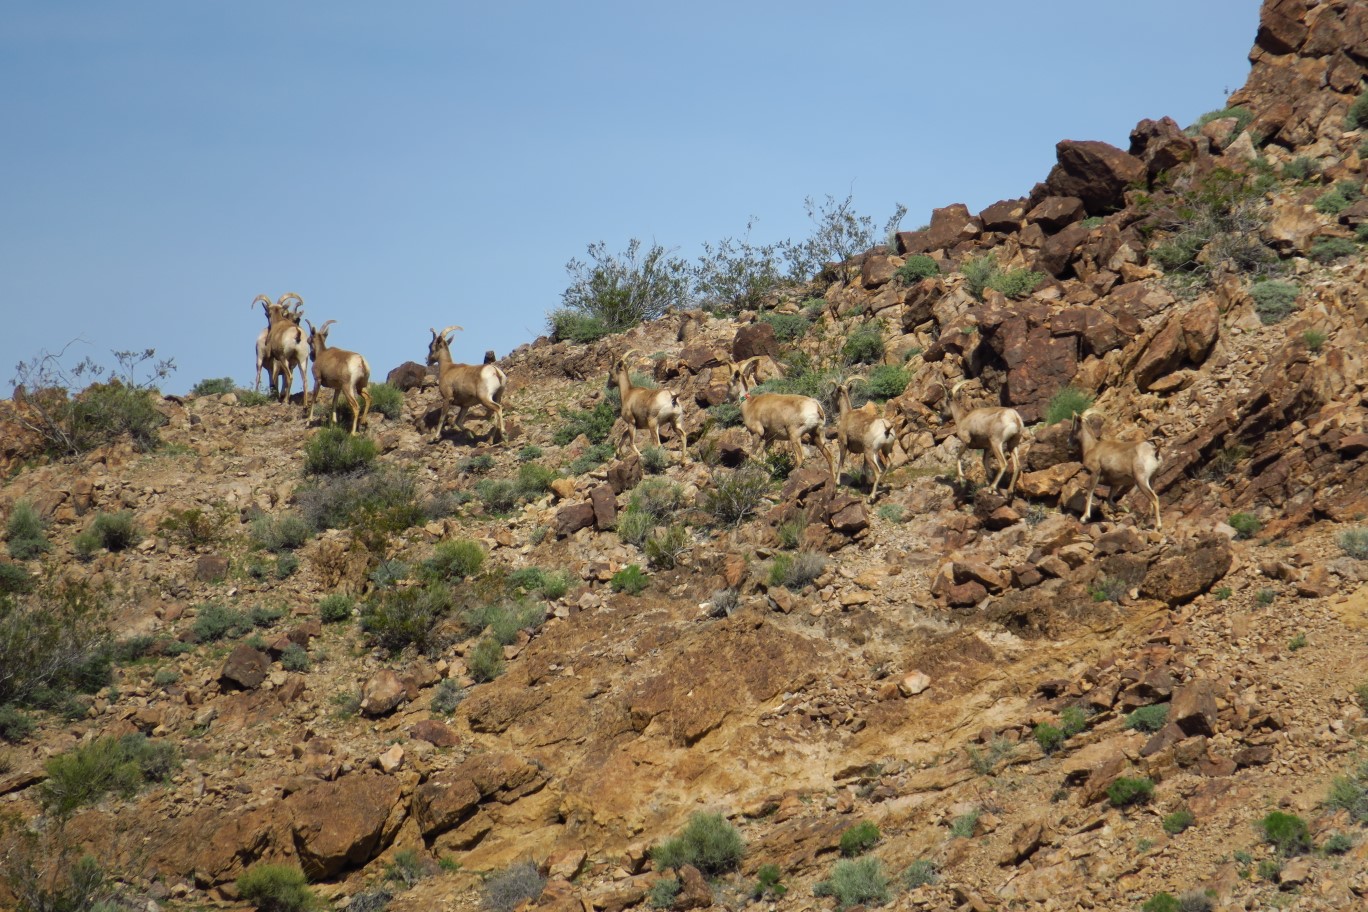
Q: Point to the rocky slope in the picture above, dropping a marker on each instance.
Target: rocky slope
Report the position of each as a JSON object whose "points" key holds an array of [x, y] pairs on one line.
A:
{"points": [[906, 684]]}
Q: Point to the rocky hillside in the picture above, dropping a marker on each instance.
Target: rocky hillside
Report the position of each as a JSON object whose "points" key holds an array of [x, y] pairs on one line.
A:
{"points": [[407, 679]]}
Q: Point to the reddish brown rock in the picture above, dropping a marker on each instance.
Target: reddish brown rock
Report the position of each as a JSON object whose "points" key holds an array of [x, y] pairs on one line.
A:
{"points": [[1004, 216], [950, 225], [604, 504], [407, 376], [245, 668], [1193, 708], [694, 892], [1182, 577], [573, 517], [754, 339], [624, 474], [1058, 251], [1054, 212], [876, 269], [384, 691], [1161, 145], [1095, 172], [342, 824], [211, 567]]}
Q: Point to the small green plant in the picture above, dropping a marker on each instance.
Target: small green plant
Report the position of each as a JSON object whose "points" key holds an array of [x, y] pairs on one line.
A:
{"points": [[865, 345], [666, 546], [1049, 737], [1222, 593], [919, 873], [891, 512], [916, 268], [407, 867], [733, 497], [529, 453], [1287, 833], [87, 773], [708, 842], [1016, 283], [295, 658], [1314, 339], [398, 618], [859, 839], [663, 893], [1350, 793], [15, 725], [984, 763], [591, 459], [1067, 403], [335, 608], [655, 460], [476, 465], [277, 888], [1109, 589], [887, 381], [387, 400], [485, 660], [796, 571], [978, 272], [1243, 116], [165, 677], [511, 887], [594, 424], [1327, 250], [1338, 844], [546, 583], [115, 531], [630, 579], [213, 622], [1265, 597], [1161, 902], [25, 532], [768, 883], [1357, 117], [456, 560], [1338, 198], [1297, 642], [963, 826], [1354, 542], [1127, 791], [1178, 821], [568, 326], [788, 328], [1246, 525], [213, 386], [333, 451], [286, 533], [1300, 168], [1274, 300], [1270, 869], [1073, 720], [447, 697], [1148, 718], [856, 881]]}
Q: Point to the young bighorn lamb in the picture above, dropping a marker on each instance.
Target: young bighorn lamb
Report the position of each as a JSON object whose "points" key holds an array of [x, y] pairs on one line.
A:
{"points": [[994, 428], [864, 432], [645, 408], [274, 312], [287, 347], [465, 385], [771, 415], [1122, 464], [343, 372]]}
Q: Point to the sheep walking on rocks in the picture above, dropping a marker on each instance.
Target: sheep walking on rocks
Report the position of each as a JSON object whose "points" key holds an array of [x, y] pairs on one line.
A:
{"points": [[344, 372], [1122, 464], [863, 432], [647, 408], [465, 385], [769, 416], [989, 428]]}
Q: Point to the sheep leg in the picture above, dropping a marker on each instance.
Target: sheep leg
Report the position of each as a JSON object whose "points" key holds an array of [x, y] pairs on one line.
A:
{"points": [[1144, 485], [494, 412], [652, 425], [795, 438], [460, 418], [822, 448], [352, 405], [332, 417], [308, 415], [678, 423], [365, 406], [1087, 506], [1002, 463]]}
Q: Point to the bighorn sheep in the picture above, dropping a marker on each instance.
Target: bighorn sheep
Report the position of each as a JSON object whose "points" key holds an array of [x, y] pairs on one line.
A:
{"points": [[343, 372], [994, 428], [466, 385], [864, 432], [1121, 464], [274, 312], [286, 346], [647, 408], [771, 415]]}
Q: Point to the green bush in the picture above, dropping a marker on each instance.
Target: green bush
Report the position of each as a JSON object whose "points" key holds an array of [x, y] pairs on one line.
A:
{"points": [[485, 660], [335, 608], [1314, 339], [213, 622], [1178, 821], [665, 547], [1274, 301], [1339, 197], [499, 495], [456, 560], [888, 381], [1243, 117], [978, 272], [503, 620], [107, 411], [736, 275], [547, 583], [1016, 283], [1126, 791], [733, 497], [87, 773], [396, 619], [1066, 403], [1148, 718], [1049, 737], [529, 453], [725, 414], [333, 451], [569, 326], [963, 826], [1246, 525], [277, 888], [859, 839], [295, 658], [1288, 833], [14, 579], [591, 458], [1338, 844], [1161, 902], [213, 386], [919, 873], [1213, 227], [1300, 168], [15, 725], [768, 883], [1354, 542], [195, 527], [796, 571], [916, 268], [1357, 117], [447, 697], [534, 480], [371, 504], [594, 423], [788, 328], [387, 400], [663, 893], [630, 579], [284, 533], [51, 641], [655, 460], [865, 345], [856, 881], [511, 887], [1327, 250], [840, 234], [708, 842], [407, 867], [622, 290], [115, 531], [25, 532]]}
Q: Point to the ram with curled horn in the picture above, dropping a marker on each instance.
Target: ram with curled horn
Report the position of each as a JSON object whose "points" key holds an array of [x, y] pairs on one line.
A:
{"points": [[465, 385], [282, 346]]}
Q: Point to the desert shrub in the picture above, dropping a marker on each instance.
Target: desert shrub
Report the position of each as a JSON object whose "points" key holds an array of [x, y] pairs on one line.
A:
{"points": [[1327, 250], [25, 532], [630, 579], [1357, 117], [333, 451], [1338, 844], [194, 526], [795, 571], [286, 565], [1243, 117], [1016, 283], [547, 583], [1354, 542], [43, 874], [978, 272], [499, 495], [1265, 596], [454, 560], [1126, 791], [1246, 525], [165, 677], [87, 773], [1274, 300], [856, 881], [1049, 737], [407, 867], [724, 602], [1178, 821], [213, 386], [447, 697], [277, 888], [1350, 794], [1213, 227], [115, 531], [1287, 833], [655, 460], [511, 887], [503, 620], [485, 660], [1066, 403], [529, 453], [725, 414], [285, 533], [790, 532], [335, 608], [15, 725], [708, 842], [663, 893], [865, 345], [1314, 339], [665, 547], [594, 423], [768, 882], [396, 619], [1338, 198], [52, 641], [840, 233], [1109, 589], [1148, 718], [371, 504], [295, 658], [634, 527], [963, 826], [733, 497], [476, 465], [735, 274], [919, 873], [591, 458], [570, 326], [1162, 901], [916, 268], [213, 622], [14, 579], [859, 839], [621, 290], [1300, 168], [887, 381], [387, 400], [788, 328]]}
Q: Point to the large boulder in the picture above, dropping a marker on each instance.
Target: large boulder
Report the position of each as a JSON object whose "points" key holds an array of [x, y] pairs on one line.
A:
{"points": [[1188, 571], [1096, 172], [1161, 145], [1185, 340], [407, 376], [245, 668], [950, 225], [754, 339]]}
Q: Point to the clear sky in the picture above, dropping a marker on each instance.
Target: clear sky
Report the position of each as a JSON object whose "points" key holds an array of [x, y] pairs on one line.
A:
{"points": [[417, 164]]}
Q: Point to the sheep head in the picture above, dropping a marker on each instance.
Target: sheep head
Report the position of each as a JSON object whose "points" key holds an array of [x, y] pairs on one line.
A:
{"points": [[440, 343]]}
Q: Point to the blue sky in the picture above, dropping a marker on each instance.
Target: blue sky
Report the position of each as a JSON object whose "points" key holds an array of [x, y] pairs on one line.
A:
{"points": [[419, 164]]}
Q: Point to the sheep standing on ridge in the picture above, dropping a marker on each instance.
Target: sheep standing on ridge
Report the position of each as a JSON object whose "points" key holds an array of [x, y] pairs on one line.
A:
{"points": [[646, 408], [1121, 464], [344, 372], [274, 312], [287, 348], [864, 432], [466, 385], [772, 415], [989, 428]]}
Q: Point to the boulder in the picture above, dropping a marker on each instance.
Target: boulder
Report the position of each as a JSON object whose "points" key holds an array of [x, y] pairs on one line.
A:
{"points": [[1054, 212], [382, 692], [1183, 576], [1193, 708], [407, 376], [877, 268], [245, 668], [438, 734], [950, 225], [1096, 172], [604, 504], [1004, 216], [573, 517], [1058, 251], [211, 568], [754, 339], [1161, 145], [1184, 341], [342, 824]]}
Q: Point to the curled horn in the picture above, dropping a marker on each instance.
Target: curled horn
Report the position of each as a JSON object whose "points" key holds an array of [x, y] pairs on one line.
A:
{"points": [[324, 327], [622, 358], [298, 301], [452, 328], [264, 299]]}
